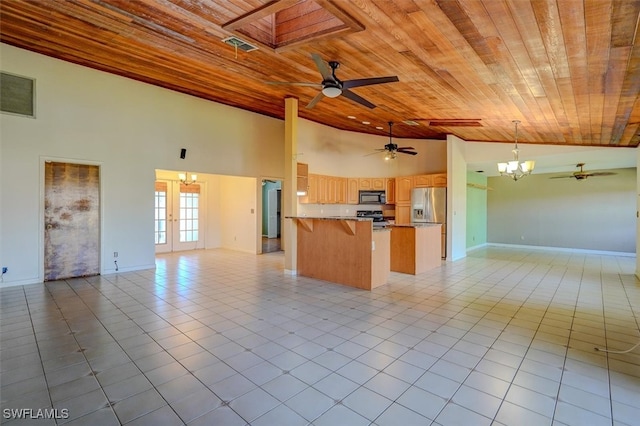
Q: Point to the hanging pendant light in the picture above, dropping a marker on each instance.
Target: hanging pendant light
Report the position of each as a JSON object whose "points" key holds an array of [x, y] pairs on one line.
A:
{"points": [[183, 178], [514, 168]]}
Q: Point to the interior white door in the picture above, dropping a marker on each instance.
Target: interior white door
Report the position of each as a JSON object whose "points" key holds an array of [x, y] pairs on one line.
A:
{"points": [[272, 219], [178, 212]]}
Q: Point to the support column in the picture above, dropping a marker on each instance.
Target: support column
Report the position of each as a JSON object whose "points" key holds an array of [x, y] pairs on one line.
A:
{"points": [[289, 188]]}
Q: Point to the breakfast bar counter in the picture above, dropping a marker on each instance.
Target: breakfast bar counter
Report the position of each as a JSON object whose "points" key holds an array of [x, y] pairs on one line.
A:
{"points": [[343, 250]]}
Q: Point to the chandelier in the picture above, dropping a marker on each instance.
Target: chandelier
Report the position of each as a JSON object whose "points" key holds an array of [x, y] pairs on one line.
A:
{"points": [[516, 169], [184, 181]]}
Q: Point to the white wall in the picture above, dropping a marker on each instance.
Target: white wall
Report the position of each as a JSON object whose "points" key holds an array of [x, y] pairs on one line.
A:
{"points": [[130, 129], [333, 152], [598, 213]]}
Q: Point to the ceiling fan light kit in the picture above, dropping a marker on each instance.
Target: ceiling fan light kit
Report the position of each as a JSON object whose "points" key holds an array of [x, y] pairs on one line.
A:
{"points": [[333, 87], [514, 168]]}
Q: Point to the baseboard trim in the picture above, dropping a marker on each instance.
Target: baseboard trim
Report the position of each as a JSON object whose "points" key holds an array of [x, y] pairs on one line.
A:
{"points": [[565, 249], [479, 246]]}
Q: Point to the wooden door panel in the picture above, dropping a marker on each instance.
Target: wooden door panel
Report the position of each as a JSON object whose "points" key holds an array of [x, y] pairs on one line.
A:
{"points": [[72, 221]]}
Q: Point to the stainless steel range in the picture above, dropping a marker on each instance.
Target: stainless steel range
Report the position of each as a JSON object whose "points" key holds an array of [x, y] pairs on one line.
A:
{"points": [[376, 215]]}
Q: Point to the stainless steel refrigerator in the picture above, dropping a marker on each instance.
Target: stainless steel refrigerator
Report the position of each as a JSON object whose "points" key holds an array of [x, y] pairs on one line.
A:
{"points": [[429, 205]]}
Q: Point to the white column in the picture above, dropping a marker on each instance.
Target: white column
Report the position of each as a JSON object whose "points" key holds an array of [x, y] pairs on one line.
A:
{"points": [[289, 187]]}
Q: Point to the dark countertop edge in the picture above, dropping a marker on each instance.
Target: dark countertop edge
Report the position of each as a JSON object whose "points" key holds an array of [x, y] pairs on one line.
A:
{"points": [[360, 219], [414, 225]]}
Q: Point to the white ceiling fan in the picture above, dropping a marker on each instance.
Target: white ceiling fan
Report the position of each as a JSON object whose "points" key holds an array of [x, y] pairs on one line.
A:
{"points": [[582, 175]]}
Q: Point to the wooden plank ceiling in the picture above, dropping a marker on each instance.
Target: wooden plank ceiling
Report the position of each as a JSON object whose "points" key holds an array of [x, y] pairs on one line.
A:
{"points": [[569, 70]]}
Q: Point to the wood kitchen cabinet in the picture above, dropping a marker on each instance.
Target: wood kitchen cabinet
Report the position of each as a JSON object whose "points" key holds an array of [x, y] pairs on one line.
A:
{"points": [[439, 180], [423, 181], [390, 190], [312, 190], [303, 178], [404, 185], [403, 214], [352, 190], [378, 184], [365, 184], [342, 191]]}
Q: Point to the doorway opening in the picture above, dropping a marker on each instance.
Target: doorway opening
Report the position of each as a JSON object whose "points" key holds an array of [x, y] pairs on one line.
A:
{"points": [[271, 215]]}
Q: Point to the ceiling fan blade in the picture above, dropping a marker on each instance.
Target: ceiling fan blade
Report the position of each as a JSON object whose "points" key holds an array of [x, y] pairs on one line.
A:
{"points": [[315, 100], [322, 67], [368, 81], [602, 174], [405, 147], [296, 83], [408, 152], [357, 98]]}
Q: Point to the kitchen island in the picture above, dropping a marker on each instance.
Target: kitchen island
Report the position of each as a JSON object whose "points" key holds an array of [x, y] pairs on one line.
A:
{"points": [[343, 250], [415, 247]]}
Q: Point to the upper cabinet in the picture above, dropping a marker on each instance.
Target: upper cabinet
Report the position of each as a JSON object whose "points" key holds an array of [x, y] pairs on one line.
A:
{"points": [[404, 185], [440, 179], [390, 190], [323, 189], [378, 184], [352, 190], [365, 184], [423, 181], [303, 178]]}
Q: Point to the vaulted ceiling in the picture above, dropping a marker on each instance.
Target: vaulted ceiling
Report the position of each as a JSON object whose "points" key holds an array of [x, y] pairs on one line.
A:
{"points": [[569, 70]]}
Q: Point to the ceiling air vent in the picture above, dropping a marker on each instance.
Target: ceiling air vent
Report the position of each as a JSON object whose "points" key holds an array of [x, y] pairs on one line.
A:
{"points": [[411, 123], [239, 44]]}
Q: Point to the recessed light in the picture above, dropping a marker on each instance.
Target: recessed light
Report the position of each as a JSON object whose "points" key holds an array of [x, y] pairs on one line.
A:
{"points": [[366, 122], [353, 117], [379, 127]]}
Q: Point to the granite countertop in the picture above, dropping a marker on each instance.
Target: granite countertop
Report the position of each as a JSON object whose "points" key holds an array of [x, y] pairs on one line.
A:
{"points": [[360, 219], [381, 228], [414, 225]]}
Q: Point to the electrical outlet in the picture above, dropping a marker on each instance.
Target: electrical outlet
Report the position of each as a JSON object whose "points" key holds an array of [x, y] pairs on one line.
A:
{"points": [[4, 269], [115, 254]]}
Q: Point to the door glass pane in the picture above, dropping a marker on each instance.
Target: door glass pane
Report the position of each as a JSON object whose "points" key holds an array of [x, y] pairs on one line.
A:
{"points": [[188, 216], [161, 217]]}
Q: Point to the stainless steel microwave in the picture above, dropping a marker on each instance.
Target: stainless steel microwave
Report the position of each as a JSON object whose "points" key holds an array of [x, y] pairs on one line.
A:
{"points": [[372, 197]]}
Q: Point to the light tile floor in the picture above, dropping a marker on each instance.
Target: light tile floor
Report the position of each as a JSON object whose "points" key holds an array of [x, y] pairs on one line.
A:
{"points": [[502, 337]]}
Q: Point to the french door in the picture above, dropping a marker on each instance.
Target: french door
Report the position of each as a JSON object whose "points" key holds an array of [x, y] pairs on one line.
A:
{"points": [[178, 216]]}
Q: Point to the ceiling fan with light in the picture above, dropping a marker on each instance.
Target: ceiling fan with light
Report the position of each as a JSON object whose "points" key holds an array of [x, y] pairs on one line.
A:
{"points": [[391, 149], [582, 175], [332, 86]]}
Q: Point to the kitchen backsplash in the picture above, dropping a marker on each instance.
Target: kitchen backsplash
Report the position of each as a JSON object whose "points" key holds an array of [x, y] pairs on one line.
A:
{"points": [[326, 210]]}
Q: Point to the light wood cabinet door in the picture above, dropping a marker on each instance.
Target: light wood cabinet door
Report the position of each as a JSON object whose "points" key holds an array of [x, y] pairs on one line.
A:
{"points": [[312, 193], [403, 214], [322, 189], [423, 181], [404, 185], [303, 177], [439, 179], [378, 184], [352, 190], [341, 197], [390, 190], [365, 183]]}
